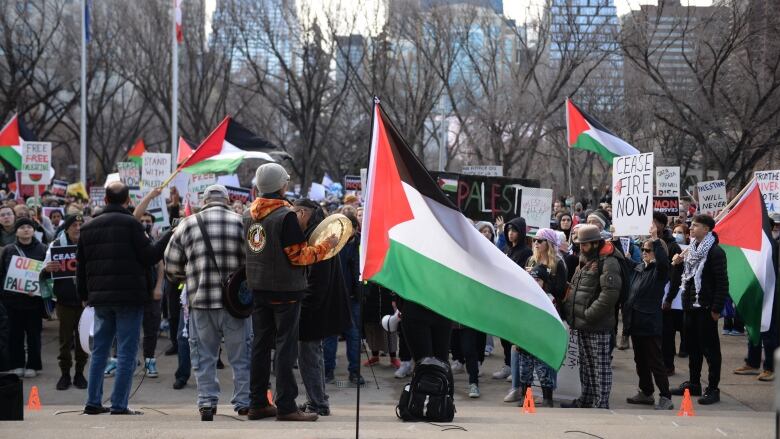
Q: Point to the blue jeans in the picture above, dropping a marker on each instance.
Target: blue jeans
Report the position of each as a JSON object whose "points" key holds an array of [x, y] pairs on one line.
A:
{"points": [[352, 336], [124, 323], [183, 370], [313, 373]]}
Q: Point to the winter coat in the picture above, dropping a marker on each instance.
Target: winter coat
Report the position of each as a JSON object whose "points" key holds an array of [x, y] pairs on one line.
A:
{"points": [[349, 256], [65, 288], [556, 286], [33, 250], [325, 308], [520, 252], [5, 333], [642, 315], [714, 282], [114, 258], [675, 271], [591, 305], [378, 303]]}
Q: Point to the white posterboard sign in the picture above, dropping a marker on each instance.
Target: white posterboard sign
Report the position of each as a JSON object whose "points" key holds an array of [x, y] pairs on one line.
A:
{"points": [[536, 207], [769, 185], [484, 170], [667, 181], [22, 276], [155, 170], [36, 162], [129, 173], [632, 194], [199, 182], [712, 197]]}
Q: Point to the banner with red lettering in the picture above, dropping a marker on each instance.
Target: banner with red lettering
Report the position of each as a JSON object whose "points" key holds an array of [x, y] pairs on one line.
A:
{"points": [[65, 256]]}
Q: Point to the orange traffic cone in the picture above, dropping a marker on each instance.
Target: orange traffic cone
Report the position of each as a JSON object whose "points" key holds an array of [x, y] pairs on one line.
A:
{"points": [[528, 403], [270, 396], [34, 403], [686, 408]]}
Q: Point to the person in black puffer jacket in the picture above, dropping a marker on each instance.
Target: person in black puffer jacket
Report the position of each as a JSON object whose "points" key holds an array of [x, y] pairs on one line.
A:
{"points": [[643, 321], [24, 310]]}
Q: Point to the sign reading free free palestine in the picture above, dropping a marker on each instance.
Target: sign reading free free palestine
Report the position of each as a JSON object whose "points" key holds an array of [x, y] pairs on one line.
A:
{"points": [[36, 162]]}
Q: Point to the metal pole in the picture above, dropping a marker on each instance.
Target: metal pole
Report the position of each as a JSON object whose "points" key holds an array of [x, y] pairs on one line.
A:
{"points": [[83, 124], [174, 90], [568, 169], [443, 145]]}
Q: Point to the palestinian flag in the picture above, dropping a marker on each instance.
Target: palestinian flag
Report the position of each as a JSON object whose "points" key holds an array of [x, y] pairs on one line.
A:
{"points": [[184, 150], [225, 148], [416, 243], [11, 138], [585, 132], [136, 153], [745, 234]]}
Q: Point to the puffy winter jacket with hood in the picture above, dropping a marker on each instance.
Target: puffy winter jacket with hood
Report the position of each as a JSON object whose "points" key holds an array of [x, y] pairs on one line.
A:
{"points": [[591, 305], [520, 252]]}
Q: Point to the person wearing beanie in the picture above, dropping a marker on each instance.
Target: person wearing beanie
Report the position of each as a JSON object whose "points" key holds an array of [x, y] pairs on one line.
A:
{"points": [[24, 309], [599, 218], [277, 253]]}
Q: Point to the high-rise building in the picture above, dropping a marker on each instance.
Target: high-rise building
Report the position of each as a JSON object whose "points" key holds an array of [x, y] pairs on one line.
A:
{"points": [[350, 52], [396, 7]]}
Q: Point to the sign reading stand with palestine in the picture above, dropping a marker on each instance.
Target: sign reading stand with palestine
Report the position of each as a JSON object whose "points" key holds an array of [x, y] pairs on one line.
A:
{"points": [[769, 185], [712, 197], [155, 170], [23, 275], [36, 162], [632, 194]]}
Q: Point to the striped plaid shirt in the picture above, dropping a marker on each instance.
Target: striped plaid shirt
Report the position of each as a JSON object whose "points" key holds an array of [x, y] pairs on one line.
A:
{"points": [[187, 258]]}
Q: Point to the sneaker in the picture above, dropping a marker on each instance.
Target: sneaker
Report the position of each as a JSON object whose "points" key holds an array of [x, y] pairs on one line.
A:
{"points": [[509, 378], [18, 372], [664, 403], [309, 408], [298, 416], [206, 413], [457, 367], [395, 362], [127, 411], [371, 361], [64, 382], [179, 384], [110, 367], [725, 332], [30, 373], [79, 381], [513, 396], [330, 377], [502, 373], [746, 370], [92, 410], [404, 370], [766, 375], [711, 396], [694, 388], [641, 398], [356, 379], [150, 364], [473, 391], [737, 333]]}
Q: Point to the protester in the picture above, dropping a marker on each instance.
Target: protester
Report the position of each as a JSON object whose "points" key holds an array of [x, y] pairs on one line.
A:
{"points": [[7, 220], [112, 276], [378, 303], [589, 310], [276, 254], [55, 216], [69, 308], [205, 249], [672, 318], [565, 223], [24, 310], [704, 287]]}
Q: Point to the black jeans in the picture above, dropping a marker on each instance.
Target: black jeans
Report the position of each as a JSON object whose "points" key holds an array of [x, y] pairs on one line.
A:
{"points": [[174, 309], [506, 345], [403, 348], [24, 324], [471, 341], [672, 323], [649, 365], [275, 327], [701, 333], [427, 333], [151, 325]]}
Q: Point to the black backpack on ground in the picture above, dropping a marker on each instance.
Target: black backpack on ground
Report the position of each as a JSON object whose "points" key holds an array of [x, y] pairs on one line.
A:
{"points": [[430, 395]]}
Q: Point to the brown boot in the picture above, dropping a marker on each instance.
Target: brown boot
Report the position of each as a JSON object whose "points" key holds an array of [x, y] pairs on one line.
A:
{"points": [[298, 416], [261, 413]]}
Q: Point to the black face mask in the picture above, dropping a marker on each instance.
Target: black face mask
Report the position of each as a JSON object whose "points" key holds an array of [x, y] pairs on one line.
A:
{"points": [[148, 228], [575, 248]]}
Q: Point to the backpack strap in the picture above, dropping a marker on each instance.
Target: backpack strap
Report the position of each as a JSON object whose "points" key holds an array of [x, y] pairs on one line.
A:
{"points": [[207, 241]]}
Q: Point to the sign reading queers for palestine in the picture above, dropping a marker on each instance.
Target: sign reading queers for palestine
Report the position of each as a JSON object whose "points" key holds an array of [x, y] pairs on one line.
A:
{"points": [[23, 276], [36, 162], [156, 168], [769, 184], [65, 256], [632, 194], [712, 197]]}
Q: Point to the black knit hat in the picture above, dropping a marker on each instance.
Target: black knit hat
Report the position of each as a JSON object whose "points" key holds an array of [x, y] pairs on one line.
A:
{"points": [[70, 219], [23, 222]]}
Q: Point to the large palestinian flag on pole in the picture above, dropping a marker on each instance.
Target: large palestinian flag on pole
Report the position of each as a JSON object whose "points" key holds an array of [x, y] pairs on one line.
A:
{"points": [[585, 132], [745, 234], [416, 243], [225, 148], [11, 137]]}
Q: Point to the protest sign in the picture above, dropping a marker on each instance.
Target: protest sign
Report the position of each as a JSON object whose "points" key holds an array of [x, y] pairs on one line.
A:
{"points": [[77, 190], [363, 177], [229, 180], [129, 173], [155, 170], [36, 162], [712, 197], [159, 211], [111, 178], [25, 190], [65, 256], [59, 188], [484, 170], [632, 194], [769, 185], [136, 195], [667, 181], [97, 195], [199, 182], [536, 207], [239, 194], [352, 183], [669, 206], [22, 276], [316, 192], [484, 198]]}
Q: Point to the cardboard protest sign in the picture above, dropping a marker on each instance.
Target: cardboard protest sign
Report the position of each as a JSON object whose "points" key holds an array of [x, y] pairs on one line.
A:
{"points": [[485, 170], [484, 198], [769, 185], [536, 207], [239, 194], [59, 188], [669, 206], [159, 211], [712, 197], [97, 195], [22, 276], [129, 173], [155, 170], [199, 182], [352, 183], [632, 194], [65, 256], [111, 178], [24, 190], [36, 162], [667, 181]]}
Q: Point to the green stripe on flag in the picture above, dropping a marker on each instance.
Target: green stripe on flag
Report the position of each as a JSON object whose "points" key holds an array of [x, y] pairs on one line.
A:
{"points": [[745, 290], [406, 271], [216, 166], [588, 143], [10, 155], [138, 160]]}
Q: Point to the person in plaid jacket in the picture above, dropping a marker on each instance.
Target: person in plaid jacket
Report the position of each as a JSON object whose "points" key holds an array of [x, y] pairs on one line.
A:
{"points": [[187, 259]]}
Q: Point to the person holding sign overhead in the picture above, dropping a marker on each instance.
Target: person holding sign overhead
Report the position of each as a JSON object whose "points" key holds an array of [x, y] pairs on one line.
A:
{"points": [[21, 296]]}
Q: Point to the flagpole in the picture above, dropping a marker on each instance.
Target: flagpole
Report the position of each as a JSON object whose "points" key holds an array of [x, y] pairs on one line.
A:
{"points": [[174, 90], [83, 122], [568, 148], [734, 200]]}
